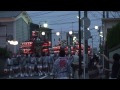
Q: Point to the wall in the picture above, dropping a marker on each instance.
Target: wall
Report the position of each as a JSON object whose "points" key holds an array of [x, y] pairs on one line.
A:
{"points": [[22, 31], [9, 31]]}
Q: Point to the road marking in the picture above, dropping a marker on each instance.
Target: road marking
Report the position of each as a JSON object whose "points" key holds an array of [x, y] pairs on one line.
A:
{"points": [[43, 77]]}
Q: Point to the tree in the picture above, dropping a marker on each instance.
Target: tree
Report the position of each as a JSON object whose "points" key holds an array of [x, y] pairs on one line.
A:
{"points": [[4, 53], [113, 36]]}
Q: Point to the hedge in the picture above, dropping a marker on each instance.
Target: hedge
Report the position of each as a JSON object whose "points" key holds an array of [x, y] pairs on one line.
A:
{"points": [[4, 53]]}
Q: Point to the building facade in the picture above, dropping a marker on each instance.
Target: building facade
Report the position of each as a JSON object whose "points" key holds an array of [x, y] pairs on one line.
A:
{"points": [[16, 25]]}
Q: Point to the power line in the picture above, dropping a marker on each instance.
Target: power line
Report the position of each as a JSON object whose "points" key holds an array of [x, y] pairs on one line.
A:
{"points": [[41, 13], [55, 21], [75, 21], [63, 23], [34, 12], [53, 16], [69, 22], [99, 12], [112, 14], [61, 19]]}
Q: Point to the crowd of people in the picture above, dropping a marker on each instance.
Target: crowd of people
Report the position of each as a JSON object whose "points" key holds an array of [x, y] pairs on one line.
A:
{"points": [[59, 66], [29, 65], [95, 68]]}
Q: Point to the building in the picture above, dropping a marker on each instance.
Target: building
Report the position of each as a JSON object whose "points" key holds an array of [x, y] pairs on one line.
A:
{"points": [[33, 27], [48, 33], [14, 24], [71, 39], [57, 38]]}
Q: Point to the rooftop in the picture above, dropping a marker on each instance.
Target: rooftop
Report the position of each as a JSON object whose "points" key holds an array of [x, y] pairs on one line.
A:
{"points": [[6, 14]]}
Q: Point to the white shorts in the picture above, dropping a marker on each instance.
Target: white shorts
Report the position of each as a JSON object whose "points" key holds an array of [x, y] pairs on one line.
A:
{"points": [[31, 67], [16, 67], [39, 66], [11, 69], [46, 66]]}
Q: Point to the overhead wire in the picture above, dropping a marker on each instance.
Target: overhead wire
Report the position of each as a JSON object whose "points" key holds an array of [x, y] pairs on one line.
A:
{"points": [[61, 19], [58, 20], [70, 22], [53, 16], [36, 14], [112, 14]]}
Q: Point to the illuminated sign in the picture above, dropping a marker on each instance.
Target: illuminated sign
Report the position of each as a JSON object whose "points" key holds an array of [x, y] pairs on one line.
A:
{"points": [[26, 44], [26, 51]]}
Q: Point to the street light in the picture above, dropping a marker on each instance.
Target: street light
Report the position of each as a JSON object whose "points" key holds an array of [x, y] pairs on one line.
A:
{"points": [[74, 38], [101, 35], [96, 27], [88, 28], [9, 41], [43, 33], [57, 33], [45, 25], [70, 32], [13, 42], [77, 16], [101, 32]]}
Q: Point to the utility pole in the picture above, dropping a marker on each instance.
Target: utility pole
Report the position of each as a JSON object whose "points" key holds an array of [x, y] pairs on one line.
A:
{"points": [[85, 56], [107, 14], [103, 39], [61, 34], [103, 14], [106, 64], [86, 44], [79, 21], [92, 44]]}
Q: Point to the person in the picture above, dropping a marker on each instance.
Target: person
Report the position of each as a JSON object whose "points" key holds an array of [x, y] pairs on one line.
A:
{"points": [[61, 67], [32, 65], [39, 65], [55, 56], [16, 65], [115, 65], [26, 64], [50, 63], [94, 68], [75, 66], [9, 65], [45, 63]]}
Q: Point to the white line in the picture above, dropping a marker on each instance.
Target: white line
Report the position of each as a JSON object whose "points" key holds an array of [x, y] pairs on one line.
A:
{"points": [[43, 77]]}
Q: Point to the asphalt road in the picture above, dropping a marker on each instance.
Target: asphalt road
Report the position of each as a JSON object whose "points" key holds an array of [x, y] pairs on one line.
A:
{"points": [[33, 77]]}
